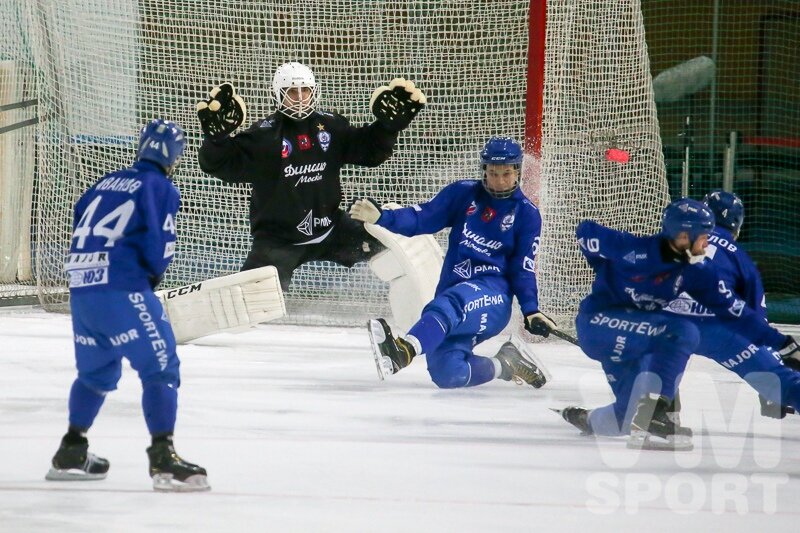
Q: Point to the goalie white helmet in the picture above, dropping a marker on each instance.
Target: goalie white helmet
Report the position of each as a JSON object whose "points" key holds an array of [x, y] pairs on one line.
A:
{"points": [[295, 90]]}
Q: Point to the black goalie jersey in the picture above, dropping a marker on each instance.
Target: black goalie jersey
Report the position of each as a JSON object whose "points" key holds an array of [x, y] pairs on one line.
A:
{"points": [[294, 168]]}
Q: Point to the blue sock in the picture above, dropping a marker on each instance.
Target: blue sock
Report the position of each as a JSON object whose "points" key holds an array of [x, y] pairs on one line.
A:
{"points": [[430, 330], [84, 404], [160, 405], [482, 370]]}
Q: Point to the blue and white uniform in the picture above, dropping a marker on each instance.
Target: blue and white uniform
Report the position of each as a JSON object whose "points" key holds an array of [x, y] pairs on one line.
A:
{"points": [[123, 240], [740, 351], [490, 259], [623, 325]]}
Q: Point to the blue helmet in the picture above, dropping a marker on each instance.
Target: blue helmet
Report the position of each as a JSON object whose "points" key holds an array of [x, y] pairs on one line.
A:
{"points": [[687, 215], [162, 142], [728, 209], [501, 151]]}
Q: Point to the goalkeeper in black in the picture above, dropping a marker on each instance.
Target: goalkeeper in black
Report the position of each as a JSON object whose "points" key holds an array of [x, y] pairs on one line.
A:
{"points": [[293, 160]]}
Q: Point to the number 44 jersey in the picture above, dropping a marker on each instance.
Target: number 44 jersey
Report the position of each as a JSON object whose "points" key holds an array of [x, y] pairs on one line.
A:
{"points": [[123, 230]]}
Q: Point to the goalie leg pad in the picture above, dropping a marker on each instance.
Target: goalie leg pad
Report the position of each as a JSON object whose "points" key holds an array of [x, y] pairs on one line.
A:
{"points": [[229, 303], [411, 266]]}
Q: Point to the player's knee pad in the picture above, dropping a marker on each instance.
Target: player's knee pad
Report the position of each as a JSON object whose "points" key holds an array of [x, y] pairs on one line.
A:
{"points": [[449, 370], [411, 266]]}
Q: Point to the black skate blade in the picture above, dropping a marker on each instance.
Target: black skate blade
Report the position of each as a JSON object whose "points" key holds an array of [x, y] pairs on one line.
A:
{"points": [[528, 353], [167, 483], [377, 335], [72, 474], [640, 440]]}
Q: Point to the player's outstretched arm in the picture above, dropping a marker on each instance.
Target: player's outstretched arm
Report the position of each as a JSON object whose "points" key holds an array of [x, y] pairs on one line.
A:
{"points": [[222, 112], [395, 105]]}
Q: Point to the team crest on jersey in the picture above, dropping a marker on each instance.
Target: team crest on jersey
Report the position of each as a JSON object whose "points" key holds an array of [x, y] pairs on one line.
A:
{"points": [[306, 226], [464, 269], [324, 139], [304, 142], [472, 208], [507, 222], [267, 123], [488, 214], [286, 148]]}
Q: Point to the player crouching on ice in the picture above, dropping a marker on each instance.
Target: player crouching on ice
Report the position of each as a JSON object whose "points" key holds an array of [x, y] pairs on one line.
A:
{"points": [[490, 258], [122, 242], [623, 323]]}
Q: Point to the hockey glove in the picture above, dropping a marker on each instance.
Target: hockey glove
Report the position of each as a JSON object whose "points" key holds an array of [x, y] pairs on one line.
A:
{"points": [[395, 105], [790, 353], [540, 324], [222, 112], [365, 210]]}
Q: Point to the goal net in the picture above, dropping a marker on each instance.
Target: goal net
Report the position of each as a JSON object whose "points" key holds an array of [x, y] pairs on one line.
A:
{"points": [[103, 68]]}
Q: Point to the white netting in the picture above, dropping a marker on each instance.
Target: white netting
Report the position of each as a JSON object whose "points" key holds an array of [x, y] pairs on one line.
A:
{"points": [[598, 95], [104, 67]]}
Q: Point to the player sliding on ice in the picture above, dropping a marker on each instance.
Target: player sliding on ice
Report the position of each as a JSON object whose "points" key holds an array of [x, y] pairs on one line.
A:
{"points": [[122, 242], [624, 326], [490, 259]]}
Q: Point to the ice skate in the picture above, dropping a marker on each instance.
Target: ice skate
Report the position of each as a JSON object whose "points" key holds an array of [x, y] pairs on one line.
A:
{"points": [[391, 354], [170, 473], [73, 462], [519, 363], [652, 429], [578, 417]]}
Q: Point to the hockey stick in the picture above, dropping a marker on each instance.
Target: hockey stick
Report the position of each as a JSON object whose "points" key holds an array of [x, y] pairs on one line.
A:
{"points": [[565, 336]]}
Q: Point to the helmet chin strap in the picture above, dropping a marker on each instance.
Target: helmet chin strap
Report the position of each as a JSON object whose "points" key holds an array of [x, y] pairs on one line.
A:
{"points": [[695, 259]]}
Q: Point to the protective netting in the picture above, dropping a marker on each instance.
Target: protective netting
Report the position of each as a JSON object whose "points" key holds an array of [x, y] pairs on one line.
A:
{"points": [[752, 48], [103, 68], [597, 96]]}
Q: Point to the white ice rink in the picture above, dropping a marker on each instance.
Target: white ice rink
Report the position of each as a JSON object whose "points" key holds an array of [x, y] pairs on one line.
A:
{"points": [[298, 434]]}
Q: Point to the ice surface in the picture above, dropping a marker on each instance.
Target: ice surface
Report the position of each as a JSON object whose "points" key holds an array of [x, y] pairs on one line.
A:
{"points": [[298, 434]]}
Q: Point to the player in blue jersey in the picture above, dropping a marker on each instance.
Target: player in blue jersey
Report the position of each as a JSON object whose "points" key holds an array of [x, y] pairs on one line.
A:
{"points": [[623, 325], [123, 239], [760, 366], [490, 259]]}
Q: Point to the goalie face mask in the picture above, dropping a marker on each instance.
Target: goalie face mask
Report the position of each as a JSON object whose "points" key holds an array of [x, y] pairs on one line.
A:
{"points": [[294, 90]]}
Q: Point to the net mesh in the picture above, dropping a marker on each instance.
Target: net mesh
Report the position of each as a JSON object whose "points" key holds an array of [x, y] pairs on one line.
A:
{"points": [[104, 67], [754, 92]]}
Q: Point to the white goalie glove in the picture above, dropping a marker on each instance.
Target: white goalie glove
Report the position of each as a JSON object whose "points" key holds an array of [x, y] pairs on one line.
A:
{"points": [[231, 303]]}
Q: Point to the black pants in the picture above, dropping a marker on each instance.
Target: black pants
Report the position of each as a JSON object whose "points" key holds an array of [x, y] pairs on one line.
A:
{"points": [[347, 244]]}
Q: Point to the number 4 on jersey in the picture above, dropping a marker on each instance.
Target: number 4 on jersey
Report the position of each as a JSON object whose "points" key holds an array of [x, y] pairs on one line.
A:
{"points": [[119, 217]]}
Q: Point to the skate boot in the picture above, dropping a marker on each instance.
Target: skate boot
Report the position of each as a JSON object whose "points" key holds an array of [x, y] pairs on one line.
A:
{"points": [[73, 462], [651, 428], [170, 473], [520, 364], [674, 414], [391, 354], [578, 417], [774, 410]]}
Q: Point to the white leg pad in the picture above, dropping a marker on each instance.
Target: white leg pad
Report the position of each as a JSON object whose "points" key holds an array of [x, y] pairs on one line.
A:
{"points": [[231, 303], [411, 266]]}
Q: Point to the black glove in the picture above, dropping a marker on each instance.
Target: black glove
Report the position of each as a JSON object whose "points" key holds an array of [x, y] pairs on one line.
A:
{"points": [[790, 352], [222, 112], [774, 410], [155, 281], [395, 105], [538, 323]]}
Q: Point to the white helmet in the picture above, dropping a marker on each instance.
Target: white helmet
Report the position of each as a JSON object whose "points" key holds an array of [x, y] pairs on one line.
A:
{"points": [[294, 75]]}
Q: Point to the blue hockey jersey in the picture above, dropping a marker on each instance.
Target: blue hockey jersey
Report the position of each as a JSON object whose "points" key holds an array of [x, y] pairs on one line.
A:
{"points": [[631, 272], [489, 236], [735, 269], [123, 230]]}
